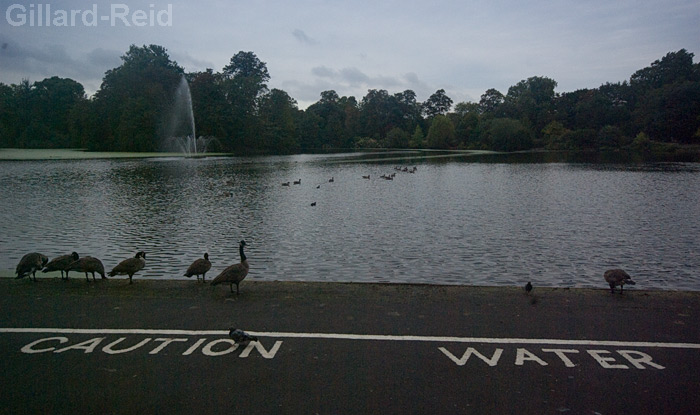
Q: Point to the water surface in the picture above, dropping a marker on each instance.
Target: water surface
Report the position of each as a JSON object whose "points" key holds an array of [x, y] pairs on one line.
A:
{"points": [[457, 220]]}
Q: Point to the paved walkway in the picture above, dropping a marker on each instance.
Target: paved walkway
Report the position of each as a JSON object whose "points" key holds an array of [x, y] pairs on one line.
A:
{"points": [[162, 347]]}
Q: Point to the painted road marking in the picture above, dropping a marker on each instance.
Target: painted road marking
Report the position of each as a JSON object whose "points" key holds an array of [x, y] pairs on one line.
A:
{"points": [[376, 337]]}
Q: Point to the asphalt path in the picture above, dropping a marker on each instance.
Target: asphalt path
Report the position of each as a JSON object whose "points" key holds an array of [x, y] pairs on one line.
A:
{"points": [[162, 347]]}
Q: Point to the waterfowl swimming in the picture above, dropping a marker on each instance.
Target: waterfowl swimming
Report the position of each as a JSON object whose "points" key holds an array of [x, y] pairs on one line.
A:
{"points": [[366, 177], [61, 263], [285, 184], [331, 180], [235, 273], [88, 264], [30, 264], [130, 266], [199, 267], [241, 337], [313, 203], [297, 181], [617, 277]]}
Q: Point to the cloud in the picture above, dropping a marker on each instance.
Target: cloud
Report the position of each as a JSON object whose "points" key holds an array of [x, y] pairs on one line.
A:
{"points": [[303, 38], [323, 72], [104, 57]]}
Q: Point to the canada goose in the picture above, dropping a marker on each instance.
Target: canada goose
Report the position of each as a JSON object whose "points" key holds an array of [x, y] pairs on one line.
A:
{"points": [[61, 263], [366, 177], [199, 267], [241, 337], [297, 181], [30, 264], [313, 203], [235, 273], [617, 277], [528, 287], [285, 184], [88, 264], [331, 180], [130, 266]]}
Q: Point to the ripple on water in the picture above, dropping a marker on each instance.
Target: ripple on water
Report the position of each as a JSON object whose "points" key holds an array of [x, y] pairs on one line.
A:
{"points": [[453, 222]]}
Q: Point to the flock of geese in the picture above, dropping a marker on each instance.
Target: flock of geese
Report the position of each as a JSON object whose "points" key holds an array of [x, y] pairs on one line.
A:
{"points": [[33, 262], [367, 177]]}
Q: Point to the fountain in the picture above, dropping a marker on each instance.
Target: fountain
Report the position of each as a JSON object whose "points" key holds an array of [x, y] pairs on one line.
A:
{"points": [[180, 131]]}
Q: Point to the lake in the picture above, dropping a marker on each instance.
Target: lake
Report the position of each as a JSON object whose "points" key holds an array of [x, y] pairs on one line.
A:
{"points": [[459, 219]]}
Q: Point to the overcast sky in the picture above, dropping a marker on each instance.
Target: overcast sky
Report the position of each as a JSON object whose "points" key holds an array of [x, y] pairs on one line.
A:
{"points": [[310, 46]]}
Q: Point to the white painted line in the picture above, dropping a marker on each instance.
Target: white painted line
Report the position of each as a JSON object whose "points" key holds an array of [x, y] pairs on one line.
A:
{"points": [[375, 337]]}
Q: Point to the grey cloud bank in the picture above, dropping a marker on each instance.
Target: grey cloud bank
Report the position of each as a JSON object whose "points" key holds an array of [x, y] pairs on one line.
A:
{"points": [[315, 45]]}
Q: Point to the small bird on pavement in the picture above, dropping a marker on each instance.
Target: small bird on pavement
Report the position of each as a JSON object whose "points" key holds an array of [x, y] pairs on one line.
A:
{"points": [[241, 337]]}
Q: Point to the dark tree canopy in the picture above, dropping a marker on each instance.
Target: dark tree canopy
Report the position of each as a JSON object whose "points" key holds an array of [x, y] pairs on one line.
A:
{"points": [[656, 109]]}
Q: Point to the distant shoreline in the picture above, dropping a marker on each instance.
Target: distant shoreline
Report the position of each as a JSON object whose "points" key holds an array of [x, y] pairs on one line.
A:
{"points": [[690, 154]]}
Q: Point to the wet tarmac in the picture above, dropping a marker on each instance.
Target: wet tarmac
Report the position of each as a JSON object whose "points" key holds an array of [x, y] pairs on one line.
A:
{"points": [[163, 347]]}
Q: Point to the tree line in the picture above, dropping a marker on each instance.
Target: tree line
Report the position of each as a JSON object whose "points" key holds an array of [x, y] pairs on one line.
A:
{"points": [[657, 109]]}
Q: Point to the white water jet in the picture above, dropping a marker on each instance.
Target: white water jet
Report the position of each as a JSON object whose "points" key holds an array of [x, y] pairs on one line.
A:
{"points": [[181, 134]]}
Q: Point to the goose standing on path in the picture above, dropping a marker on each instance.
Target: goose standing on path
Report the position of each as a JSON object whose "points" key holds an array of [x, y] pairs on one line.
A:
{"points": [[61, 263], [88, 264], [30, 264], [199, 267], [617, 277], [130, 266], [235, 273]]}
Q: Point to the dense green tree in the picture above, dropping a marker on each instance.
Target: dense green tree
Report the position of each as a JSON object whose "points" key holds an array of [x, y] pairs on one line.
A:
{"points": [[659, 105], [672, 68], [441, 134], [491, 103], [244, 83], [211, 110], [147, 79], [437, 104], [279, 114], [532, 100], [417, 139], [376, 114], [671, 113], [507, 134]]}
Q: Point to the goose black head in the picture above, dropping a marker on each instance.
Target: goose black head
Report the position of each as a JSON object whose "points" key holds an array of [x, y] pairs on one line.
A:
{"points": [[75, 256], [206, 255], [140, 254], [242, 243]]}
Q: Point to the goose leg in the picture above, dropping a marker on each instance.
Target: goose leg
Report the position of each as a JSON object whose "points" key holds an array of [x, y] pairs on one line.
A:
{"points": [[130, 282], [86, 277]]}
